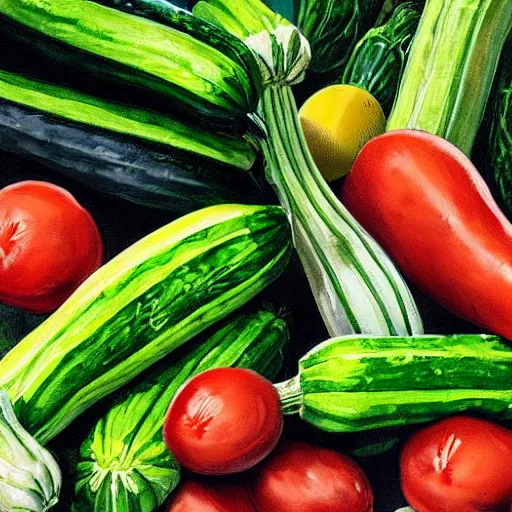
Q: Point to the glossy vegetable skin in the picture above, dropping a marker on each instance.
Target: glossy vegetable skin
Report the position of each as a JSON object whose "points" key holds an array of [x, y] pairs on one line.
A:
{"points": [[149, 64], [124, 463], [426, 204], [306, 478], [461, 464], [358, 383], [223, 421], [153, 174], [49, 244], [194, 496], [144, 303]]}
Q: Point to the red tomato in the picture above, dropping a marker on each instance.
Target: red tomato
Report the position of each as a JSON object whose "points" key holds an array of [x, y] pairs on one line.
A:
{"points": [[426, 204], [49, 244], [459, 464], [223, 421], [303, 478], [198, 497]]}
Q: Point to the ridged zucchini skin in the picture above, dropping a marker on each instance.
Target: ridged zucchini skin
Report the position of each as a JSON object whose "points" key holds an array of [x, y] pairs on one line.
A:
{"points": [[124, 463], [379, 58], [452, 62], [352, 384], [141, 305], [164, 67], [152, 175]]}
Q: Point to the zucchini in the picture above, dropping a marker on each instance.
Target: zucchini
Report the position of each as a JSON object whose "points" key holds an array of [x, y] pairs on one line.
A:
{"points": [[152, 174], [498, 147], [357, 383], [75, 106], [180, 74], [378, 60], [333, 27], [450, 70], [356, 286], [124, 463], [141, 305]]}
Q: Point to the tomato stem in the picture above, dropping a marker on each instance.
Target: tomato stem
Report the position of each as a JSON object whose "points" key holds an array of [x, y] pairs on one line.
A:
{"points": [[290, 395]]}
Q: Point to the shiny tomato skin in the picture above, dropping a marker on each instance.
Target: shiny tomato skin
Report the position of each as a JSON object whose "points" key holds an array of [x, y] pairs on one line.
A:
{"points": [[428, 207], [223, 421], [299, 477], [194, 496], [49, 244], [459, 464]]}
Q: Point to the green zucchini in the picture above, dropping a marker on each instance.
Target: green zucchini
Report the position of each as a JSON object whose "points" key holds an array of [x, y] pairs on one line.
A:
{"points": [[450, 70], [333, 27], [152, 174], [498, 147], [179, 73], [360, 383], [141, 305], [124, 463], [379, 58], [150, 126]]}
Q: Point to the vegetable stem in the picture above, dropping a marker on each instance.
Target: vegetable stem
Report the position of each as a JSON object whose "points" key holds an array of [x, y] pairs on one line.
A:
{"points": [[290, 395]]}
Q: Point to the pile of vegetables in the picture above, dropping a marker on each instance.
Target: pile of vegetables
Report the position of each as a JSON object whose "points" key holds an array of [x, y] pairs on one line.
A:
{"points": [[192, 389]]}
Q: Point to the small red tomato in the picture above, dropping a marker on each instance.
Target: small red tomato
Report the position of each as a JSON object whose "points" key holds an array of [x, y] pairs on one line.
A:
{"points": [[459, 464], [49, 244], [199, 497], [303, 478], [223, 421]]}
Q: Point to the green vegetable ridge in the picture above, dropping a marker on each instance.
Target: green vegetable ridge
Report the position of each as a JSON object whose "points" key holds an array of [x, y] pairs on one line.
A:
{"points": [[350, 384], [125, 464], [444, 95]]}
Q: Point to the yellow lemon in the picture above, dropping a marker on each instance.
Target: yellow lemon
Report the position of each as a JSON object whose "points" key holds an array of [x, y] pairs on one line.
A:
{"points": [[337, 122]]}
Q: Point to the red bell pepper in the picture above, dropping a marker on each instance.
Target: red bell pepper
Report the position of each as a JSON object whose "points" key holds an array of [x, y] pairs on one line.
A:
{"points": [[426, 204]]}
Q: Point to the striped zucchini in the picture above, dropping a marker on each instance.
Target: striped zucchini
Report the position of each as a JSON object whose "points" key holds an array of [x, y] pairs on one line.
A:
{"points": [[124, 463], [166, 67], [144, 303], [351, 384], [356, 286], [449, 73]]}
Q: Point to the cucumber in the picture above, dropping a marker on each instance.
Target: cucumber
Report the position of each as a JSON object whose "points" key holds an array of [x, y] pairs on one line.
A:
{"points": [[124, 463], [164, 67], [357, 383]]}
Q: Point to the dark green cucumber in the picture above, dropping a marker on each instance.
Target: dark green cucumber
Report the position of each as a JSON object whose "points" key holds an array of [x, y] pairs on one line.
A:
{"points": [[174, 71], [379, 58], [151, 174], [141, 305], [359, 383], [124, 463]]}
